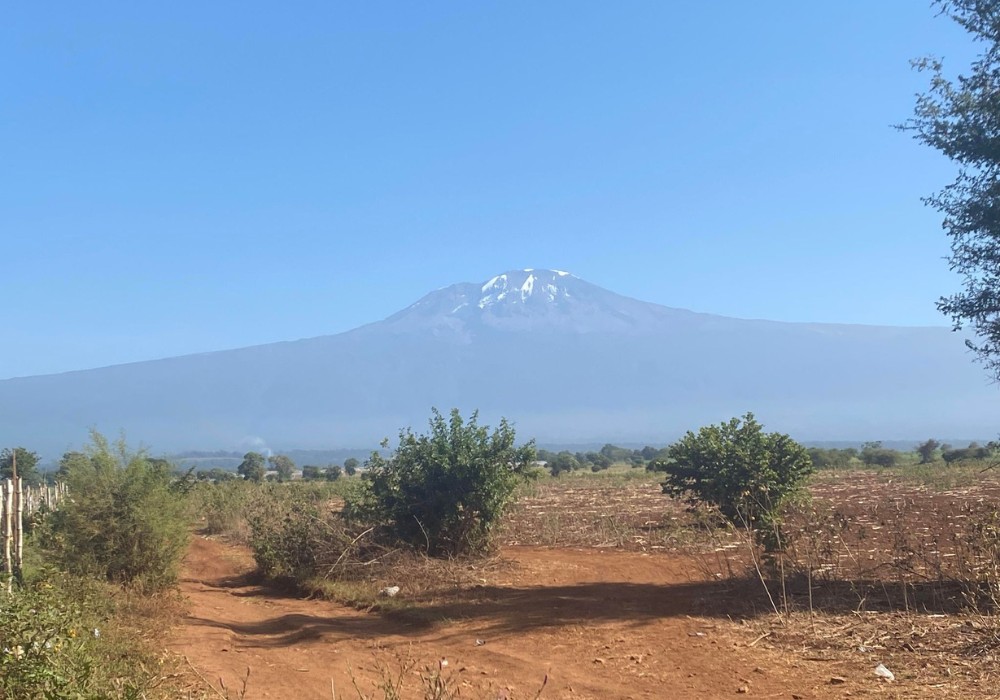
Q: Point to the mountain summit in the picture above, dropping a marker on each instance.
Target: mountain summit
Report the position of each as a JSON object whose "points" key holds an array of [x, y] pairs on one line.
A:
{"points": [[541, 300], [564, 359]]}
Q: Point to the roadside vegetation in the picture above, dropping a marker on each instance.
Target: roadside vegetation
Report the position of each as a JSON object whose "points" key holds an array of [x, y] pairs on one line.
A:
{"points": [[438, 501], [83, 618], [824, 537]]}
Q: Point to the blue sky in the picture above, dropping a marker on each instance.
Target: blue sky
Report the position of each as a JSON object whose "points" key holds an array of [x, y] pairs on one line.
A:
{"points": [[182, 177]]}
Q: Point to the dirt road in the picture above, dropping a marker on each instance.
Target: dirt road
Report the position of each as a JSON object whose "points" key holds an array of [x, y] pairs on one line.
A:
{"points": [[601, 624]]}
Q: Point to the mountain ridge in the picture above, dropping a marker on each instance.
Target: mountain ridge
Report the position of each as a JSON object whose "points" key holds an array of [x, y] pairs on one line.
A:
{"points": [[402, 312], [566, 360]]}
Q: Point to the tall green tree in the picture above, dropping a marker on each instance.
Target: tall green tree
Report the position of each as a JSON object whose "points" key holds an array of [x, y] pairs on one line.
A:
{"points": [[563, 462], [351, 466], [253, 467], [958, 117], [283, 465], [27, 465], [741, 470], [311, 473], [333, 472]]}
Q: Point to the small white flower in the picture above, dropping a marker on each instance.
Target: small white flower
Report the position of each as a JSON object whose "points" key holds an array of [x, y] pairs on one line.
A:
{"points": [[97, 633]]}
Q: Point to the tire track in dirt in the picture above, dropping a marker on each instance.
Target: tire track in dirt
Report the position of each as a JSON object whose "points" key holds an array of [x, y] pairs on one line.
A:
{"points": [[601, 624]]}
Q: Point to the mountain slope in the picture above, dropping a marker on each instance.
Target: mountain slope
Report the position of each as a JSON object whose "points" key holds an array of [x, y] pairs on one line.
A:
{"points": [[564, 359]]}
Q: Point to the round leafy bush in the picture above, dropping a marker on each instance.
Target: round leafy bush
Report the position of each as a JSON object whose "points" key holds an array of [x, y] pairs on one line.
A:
{"points": [[738, 468], [444, 492]]}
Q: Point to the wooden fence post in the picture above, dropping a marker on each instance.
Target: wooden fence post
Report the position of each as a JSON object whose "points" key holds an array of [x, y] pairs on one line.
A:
{"points": [[18, 501], [8, 531], [19, 523]]}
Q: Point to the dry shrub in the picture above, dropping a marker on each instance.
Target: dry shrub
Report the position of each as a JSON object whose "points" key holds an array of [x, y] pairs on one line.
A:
{"points": [[226, 508], [297, 537], [307, 543], [223, 507]]}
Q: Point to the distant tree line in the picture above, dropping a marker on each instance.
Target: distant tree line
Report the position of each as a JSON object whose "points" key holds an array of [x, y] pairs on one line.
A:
{"points": [[566, 461], [281, 468], [874, 454], [258, 467]]}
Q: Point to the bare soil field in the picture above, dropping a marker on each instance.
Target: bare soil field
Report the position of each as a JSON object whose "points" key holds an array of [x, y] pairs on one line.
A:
{"points": [[606, 589]]}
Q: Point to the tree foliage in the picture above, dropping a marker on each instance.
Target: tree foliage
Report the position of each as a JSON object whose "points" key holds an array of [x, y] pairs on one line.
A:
{"points": [[68, 462], [562, 462], [444, 492], [958, 117], [215, 474], [974, 452], [609, 455], [738, 468], [874, 455], [311, 472], [927, 450], [832, 458], [27, 465], [283, 465], [253, 467]]}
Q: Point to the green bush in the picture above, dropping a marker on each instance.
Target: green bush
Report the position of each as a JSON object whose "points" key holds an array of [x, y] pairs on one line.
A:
{"points": [[445, 492], [126, 519], [873, 454], [740, 470]]}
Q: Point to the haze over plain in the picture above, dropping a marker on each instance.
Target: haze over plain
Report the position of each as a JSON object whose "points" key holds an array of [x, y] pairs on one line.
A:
{"points": [[567, 361]]}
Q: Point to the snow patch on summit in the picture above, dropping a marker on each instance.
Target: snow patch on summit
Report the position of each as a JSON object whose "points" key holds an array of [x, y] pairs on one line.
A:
{"points": [[520, 286], [493, 282], [527, 287]]}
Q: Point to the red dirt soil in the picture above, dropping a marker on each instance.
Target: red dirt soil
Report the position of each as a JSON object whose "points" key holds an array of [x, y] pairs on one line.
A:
{"points": [[600, 623]]}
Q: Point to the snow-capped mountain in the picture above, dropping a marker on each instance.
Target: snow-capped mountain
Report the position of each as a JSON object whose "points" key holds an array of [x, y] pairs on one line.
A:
{"points": [[533, 300], [564, 359]]}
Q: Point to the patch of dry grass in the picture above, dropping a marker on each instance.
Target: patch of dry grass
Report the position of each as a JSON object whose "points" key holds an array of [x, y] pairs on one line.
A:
{"points": [[900, 567]]}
